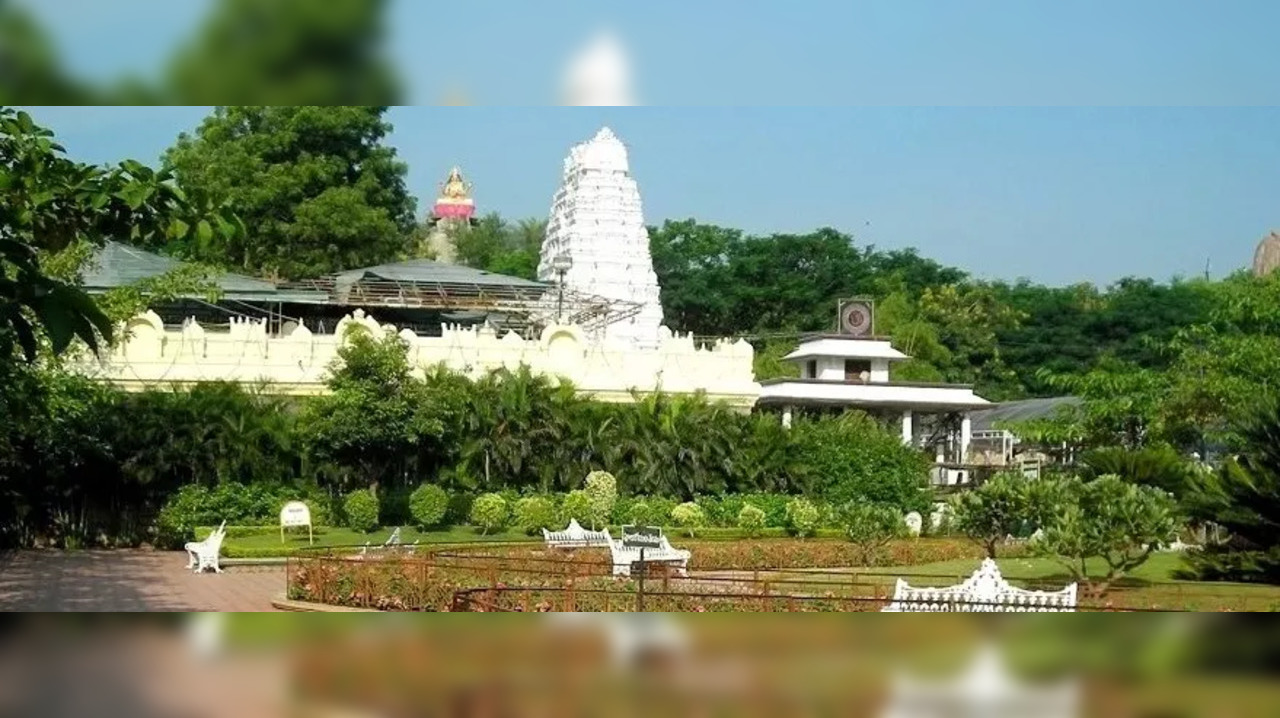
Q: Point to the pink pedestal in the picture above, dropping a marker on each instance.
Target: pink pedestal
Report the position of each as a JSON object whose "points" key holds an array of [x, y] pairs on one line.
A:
{"points": [[453, 211]]}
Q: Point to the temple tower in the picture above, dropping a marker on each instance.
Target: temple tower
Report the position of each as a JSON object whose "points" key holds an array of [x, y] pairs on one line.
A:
{"points": [[453, 210], [597, 222]]}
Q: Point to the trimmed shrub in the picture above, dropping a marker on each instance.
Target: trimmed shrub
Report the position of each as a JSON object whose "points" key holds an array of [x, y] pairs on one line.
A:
{"points": [[751, 521], [576, 505], [871, 527], [689, 516], [640, 514], [534, 513], [602, 493], [459, 511], [489, 512], [774, 507], [361, 509], [238, 504], [428, 505], [802, 517]]}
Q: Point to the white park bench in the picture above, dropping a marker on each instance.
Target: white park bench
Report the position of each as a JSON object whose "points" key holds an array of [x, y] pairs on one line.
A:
{"points": [[392, 543], [574, 536], [624, 557], [202, 555], [984, 591]]}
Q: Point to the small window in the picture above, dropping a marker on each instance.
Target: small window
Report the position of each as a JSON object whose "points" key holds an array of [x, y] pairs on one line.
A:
{"points": [[857, 370], [811, 369]]}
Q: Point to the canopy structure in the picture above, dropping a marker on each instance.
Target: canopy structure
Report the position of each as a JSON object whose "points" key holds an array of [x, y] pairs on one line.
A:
{"points": [[116, 265], [449, 291], [426, 284], [1000, 415]]}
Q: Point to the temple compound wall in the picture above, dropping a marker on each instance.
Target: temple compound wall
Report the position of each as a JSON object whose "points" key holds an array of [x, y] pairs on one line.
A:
{"points": [[298, 362]]}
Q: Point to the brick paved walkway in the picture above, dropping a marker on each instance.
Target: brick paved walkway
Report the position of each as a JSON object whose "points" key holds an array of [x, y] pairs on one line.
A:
{"points": [[130, 581]]}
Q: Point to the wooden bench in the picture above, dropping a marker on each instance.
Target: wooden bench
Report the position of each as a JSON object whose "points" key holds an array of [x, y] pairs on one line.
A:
{"points": [[985, 591], [574, 536]]}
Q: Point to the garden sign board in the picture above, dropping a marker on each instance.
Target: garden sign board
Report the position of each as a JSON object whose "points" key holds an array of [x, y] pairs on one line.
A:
{"points": [[296, 513]]}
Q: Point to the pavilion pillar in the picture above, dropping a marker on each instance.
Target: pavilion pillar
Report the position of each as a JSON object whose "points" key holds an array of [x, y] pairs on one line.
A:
{"points": [[786, 417], [966, 437], [908, 431]]}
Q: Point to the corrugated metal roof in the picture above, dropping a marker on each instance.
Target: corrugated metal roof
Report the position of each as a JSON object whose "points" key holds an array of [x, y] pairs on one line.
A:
{"points": [[425, 271], [119, 265], [1024, 410]]}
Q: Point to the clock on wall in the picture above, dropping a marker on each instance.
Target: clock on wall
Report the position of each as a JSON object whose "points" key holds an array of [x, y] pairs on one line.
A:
{"points": [[857, 317]]}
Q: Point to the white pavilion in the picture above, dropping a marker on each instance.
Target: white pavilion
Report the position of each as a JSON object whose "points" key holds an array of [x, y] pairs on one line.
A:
{"points": [[847, 371]]}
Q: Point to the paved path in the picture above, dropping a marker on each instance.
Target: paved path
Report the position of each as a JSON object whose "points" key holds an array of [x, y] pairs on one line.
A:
{"points": [[129, 581]]}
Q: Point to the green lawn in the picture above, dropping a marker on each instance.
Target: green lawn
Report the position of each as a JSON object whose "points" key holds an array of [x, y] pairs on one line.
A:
{"points": [[1150, 585], [264, 541]]}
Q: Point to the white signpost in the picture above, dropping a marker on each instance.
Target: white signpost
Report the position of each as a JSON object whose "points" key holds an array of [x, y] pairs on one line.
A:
{"points": [[296, 513]]}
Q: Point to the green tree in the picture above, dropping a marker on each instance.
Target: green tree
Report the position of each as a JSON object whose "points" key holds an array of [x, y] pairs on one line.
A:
{"points": [[49, 203], [850, 458], [286, 52], [374, 420], [30, 69], [318, 188], [870, 527], [1008, 504], [1243, 498], [1108, 520]]}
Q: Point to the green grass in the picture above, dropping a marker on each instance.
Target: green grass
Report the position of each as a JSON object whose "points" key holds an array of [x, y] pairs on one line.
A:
{"points": [[264, 541], [1152, 584], [266, 544]]}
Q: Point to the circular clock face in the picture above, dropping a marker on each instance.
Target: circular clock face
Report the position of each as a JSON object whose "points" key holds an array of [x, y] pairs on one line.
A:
{"points": [[855, 319]]}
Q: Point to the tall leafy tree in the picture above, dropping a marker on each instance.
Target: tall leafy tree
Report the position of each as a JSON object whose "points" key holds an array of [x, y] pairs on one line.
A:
{"points": [[374, 419], [318, 188], [286, 52], [49, 203]]}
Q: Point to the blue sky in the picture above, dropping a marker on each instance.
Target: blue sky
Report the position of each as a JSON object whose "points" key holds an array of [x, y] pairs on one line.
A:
{"points": [[1059, 141]]}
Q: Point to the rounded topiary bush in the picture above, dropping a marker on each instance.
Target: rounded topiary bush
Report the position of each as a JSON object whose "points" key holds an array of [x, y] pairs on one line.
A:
{"points": [[427, 505], [361, 508], [802, 517], [689, 516], [640, 513], [535, 513], [751, 521], [489, 512], [602, 493], [576, 505]]}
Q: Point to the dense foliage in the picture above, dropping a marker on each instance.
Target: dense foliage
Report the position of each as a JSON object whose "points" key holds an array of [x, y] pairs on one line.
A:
{"points": [[1108, 520], [51, 205], [1243, 498], [317, 188], [284, 51]]}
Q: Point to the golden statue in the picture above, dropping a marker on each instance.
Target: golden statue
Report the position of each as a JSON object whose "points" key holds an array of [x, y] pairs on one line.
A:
{"points": [[455, 187]]}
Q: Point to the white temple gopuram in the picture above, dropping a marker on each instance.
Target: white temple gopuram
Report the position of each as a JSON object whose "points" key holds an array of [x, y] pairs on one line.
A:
{"points": [[597, 223]]}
